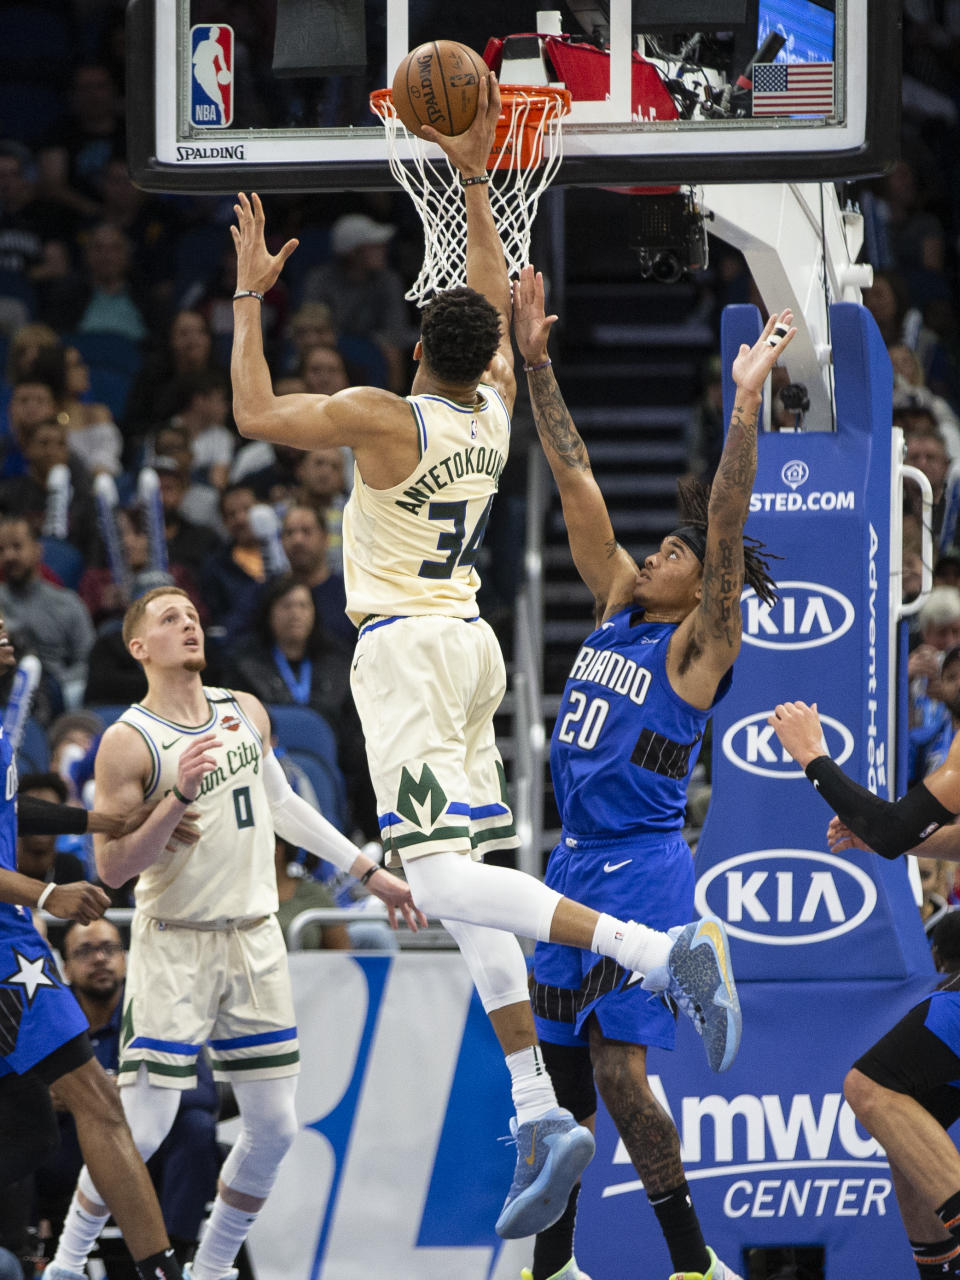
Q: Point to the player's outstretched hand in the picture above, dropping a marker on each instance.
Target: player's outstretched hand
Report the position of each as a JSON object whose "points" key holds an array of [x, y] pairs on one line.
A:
{"points": [[840, 837], [257, 267], [396, 896], [798, 728], [753, 364], [79, 901], [469, 151], [531, 324], [195, 763]]}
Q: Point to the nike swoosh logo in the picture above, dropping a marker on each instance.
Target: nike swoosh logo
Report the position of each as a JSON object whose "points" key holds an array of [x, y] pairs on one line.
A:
{"points": [[605, 625], [533, 1146], [615, 866], [165, 746]]}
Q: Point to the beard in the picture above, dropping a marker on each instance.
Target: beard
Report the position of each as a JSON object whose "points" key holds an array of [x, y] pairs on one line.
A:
{"points": [[195, 665]]}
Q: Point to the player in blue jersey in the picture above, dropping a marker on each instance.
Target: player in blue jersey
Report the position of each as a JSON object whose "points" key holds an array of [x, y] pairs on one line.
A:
{"points": [[639, 695], [43, 1032]]}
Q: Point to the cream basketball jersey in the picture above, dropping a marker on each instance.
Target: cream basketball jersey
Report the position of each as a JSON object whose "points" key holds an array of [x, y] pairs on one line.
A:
{"points": [[412, 549], [229, 873]]}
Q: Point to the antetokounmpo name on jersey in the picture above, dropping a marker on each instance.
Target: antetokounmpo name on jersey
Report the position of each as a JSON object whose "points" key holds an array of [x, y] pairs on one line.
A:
{"points": [[477, 460], [613, 671], [238, 758]]}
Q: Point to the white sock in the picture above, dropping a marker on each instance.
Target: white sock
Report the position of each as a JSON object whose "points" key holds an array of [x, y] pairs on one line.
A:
{"points": [[635, 946], [531, 1086], [79, 1235], [222, 1238]]}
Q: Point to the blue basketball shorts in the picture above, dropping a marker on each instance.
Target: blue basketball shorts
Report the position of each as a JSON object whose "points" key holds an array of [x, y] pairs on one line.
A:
{"points": [[38, 1013], [647, 878]]}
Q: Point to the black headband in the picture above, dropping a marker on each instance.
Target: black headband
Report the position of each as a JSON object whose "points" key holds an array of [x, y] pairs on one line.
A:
{"points": [[692, 536]]}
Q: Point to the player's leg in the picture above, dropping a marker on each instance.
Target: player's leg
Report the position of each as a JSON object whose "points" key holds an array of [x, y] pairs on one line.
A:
{"points": [[255, 1047], [900, 1092], [117, 1181], [935, 1251]]}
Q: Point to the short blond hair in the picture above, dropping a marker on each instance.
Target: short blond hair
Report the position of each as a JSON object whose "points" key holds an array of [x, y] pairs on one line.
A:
{"points": [[134, 615]]}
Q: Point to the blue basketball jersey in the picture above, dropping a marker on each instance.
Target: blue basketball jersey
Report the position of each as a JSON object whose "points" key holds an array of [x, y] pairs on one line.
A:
{"points": [[625, 743]]}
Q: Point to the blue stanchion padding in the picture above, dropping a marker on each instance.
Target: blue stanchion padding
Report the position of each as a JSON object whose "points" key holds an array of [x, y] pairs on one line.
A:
{"points": [[821, 500]]}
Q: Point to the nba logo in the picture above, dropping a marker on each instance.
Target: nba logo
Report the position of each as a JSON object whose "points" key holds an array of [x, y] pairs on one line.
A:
{"points": [[211, 79]]}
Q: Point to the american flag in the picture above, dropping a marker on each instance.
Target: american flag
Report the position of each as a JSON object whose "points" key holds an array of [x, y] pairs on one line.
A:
{"points": [[793, 88]]}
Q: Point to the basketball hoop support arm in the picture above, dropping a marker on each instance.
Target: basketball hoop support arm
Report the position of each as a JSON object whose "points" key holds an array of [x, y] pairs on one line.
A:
{"points": [[801, 248]]}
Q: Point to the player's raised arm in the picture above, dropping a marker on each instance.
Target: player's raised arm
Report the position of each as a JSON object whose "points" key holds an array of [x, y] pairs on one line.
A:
{"points": [[351, 417], [709, 639], [469, 152], [602, 563]]}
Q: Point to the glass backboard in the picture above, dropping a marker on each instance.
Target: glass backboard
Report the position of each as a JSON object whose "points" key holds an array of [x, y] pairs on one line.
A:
{"points": [[273, 94]]}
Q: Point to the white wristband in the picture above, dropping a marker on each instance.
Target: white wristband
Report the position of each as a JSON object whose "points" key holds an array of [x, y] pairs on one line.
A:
{"points": [[45, 895]]}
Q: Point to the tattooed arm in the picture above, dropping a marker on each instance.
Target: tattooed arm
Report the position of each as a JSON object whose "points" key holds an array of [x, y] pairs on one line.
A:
{"points": [[708, 640], [602, 563]]}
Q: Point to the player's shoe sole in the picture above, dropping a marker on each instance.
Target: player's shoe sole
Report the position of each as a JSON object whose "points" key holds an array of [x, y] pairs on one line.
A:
{"points": [[701, 982], [551, 1154], [569, 1272]]}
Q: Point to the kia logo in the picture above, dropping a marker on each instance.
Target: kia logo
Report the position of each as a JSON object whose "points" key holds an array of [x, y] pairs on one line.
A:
{"points": [[787, 897], [806, 615], [751, 744], [794, 473]]}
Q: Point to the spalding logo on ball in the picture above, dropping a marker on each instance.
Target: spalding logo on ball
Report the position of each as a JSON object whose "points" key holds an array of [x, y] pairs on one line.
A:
{"points": [[438, 84]]}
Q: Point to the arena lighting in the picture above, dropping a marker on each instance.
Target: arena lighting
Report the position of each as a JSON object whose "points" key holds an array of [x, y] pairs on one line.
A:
{"points": [[668, 235]]}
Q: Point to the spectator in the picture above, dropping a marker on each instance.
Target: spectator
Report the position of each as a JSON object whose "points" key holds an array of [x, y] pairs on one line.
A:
{"points": [[72, 163], [33, 236], [269, 469], [705, 424], [324, 371], [945, 943], [106, 299], [232, 578], [927, 451], [185, 1167], [322, 485], [200, 501], [298, 891], [152, 398], [52, 619], [37, 855], [188, 543], [936, 880], [45, 447], [310, 326], [32, 401], [203, 408], [92, 434], [931, 727], [364, 295], [292, 660], [911, 389], [304, 537], [104, 596]]}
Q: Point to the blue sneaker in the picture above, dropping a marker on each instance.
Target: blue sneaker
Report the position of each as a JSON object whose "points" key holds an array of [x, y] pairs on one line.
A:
{"points": [[552, 1152], [54, 1271], [701, 983]]}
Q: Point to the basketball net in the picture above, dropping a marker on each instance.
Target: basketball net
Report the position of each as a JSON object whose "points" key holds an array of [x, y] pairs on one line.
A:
{"points": [[525, 158]]}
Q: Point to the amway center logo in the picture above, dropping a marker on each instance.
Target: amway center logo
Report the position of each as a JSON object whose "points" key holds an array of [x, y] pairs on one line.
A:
{"points": [[781, 1155], [752, 745], [806, 615], [787, 897]]}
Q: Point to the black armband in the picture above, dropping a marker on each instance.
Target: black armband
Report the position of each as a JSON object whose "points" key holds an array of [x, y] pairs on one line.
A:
{"points": [[889, 827], [36, 817]]}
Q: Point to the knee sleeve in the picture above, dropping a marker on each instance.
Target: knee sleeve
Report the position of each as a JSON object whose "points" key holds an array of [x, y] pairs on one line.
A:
{"points": [[571, 1071], [268, 1122], [495, 961], [150, 1112], [451, 886], [28, 1124]]}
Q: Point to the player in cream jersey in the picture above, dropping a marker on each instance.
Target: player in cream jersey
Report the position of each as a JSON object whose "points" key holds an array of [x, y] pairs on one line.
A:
{"points": [[207, 964], [428, 674], [235, 881], [412, 548]]}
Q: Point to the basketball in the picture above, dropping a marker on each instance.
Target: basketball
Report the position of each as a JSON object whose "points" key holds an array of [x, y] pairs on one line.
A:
{"points": [[224, 76], [437, 84]]}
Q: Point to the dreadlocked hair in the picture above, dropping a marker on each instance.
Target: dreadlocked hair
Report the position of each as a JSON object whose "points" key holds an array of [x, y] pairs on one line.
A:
{"points": [[694, 503]]}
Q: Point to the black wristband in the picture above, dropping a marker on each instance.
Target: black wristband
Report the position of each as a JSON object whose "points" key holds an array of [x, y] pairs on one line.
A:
{"points": [[369, 874], [475, 181], [248, 293], [181, 797]]}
